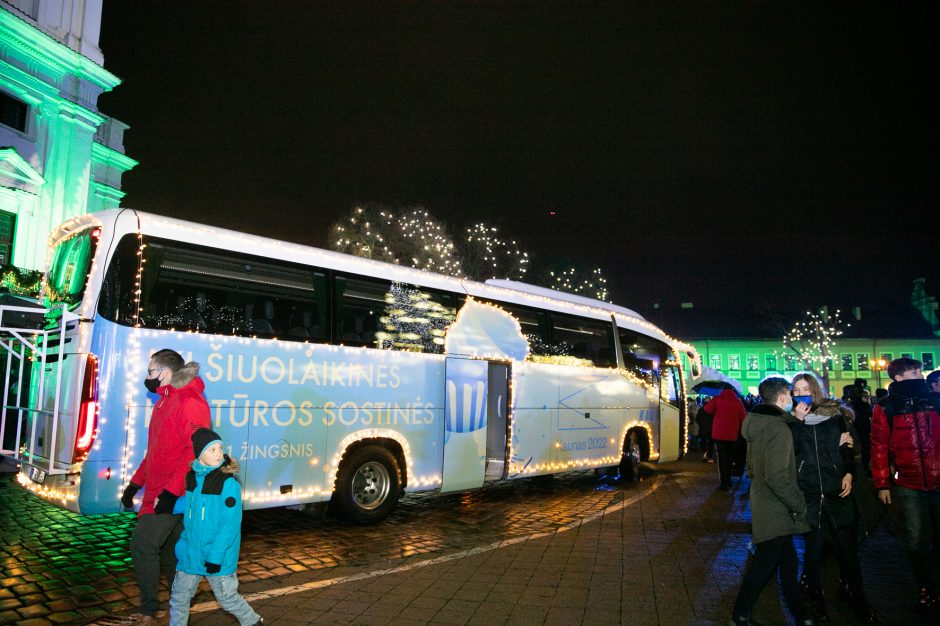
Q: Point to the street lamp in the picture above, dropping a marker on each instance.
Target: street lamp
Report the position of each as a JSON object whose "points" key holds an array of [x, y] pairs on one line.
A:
{"points": [[877, 365]]}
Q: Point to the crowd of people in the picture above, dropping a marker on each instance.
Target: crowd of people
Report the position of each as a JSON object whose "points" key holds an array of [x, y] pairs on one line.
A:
{"points": [[803, 451]]}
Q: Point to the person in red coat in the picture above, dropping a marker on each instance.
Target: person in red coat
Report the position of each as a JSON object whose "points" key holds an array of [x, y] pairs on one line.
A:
{"points": [[180, 411], [905, 435], [727, 413]]}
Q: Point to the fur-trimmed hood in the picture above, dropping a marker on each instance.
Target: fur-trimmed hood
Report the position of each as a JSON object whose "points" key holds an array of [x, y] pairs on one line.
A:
{"points": [[229, 465], [825, 410], [185, 375], [828, 408]]}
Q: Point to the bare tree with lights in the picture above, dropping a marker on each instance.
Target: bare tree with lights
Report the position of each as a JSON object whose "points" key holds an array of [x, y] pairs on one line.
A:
{"points": [[577, 279], [486, 255], [812, 341], [405, 236], [425, 242], [368, 232]]}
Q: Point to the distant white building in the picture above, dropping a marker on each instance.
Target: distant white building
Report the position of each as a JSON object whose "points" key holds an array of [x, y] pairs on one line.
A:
{"points": [[59, 156]]}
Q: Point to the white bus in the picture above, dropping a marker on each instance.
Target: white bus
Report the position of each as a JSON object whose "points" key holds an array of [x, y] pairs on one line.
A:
{"points": [[331, 378]]}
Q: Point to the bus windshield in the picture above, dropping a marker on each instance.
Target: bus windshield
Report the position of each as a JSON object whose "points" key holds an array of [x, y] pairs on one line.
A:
{"points": [[68, 270]]}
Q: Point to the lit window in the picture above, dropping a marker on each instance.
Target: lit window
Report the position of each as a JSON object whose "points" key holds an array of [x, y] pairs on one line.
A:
{"points": [[770, 362], [734, 361], [863, 361], [714, 361], [927, 359], [847, 362], [753, 363]]}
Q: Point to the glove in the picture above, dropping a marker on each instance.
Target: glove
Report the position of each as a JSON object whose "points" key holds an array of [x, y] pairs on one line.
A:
{"points": [[212, 568], [127, 498], [165, 502]]}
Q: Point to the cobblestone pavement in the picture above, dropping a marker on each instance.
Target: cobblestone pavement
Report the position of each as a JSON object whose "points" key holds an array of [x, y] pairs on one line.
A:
{"points": [[573, 549]]}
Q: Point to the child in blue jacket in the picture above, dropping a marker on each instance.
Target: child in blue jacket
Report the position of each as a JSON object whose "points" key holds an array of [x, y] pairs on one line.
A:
{"points": [[212, 523]]}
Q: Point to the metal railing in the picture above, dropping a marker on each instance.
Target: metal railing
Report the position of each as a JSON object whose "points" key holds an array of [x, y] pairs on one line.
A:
{"points": [[25, 347]]}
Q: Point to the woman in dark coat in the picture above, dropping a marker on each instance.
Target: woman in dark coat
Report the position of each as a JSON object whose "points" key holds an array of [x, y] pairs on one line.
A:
{"points": [[825, 464]]}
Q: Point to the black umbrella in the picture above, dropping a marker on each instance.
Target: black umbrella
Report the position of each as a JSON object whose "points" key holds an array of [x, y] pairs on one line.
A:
{"points": [[711, 387]]}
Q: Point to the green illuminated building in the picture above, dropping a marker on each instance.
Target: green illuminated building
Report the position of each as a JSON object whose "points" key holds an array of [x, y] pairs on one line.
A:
{"points": [[59, 156], [747, 344]]}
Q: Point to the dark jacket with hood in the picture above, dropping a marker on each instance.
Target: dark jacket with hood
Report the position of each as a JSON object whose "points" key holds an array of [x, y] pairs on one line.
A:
{"points": [[821, 464], [777, 505], [212, 519], [909, 440], [180, 411]]}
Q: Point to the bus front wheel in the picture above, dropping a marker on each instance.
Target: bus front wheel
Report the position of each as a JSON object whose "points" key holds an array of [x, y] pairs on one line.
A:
{"points": [[368, 485], [630, 461]]}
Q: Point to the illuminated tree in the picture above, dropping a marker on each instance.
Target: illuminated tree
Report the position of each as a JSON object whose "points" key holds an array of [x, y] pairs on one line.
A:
{"points": [[576, 279], [485, 255], [367, 232], [405, 236], [812, 342], [426, 243]]}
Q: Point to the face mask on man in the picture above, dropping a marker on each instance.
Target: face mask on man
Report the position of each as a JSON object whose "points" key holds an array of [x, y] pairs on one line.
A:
{"points": [[788, 407], [152, 384], [807, 400]]}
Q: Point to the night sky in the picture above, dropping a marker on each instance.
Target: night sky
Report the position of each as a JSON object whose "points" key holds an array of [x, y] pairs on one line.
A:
{"points": [[720, 155]]}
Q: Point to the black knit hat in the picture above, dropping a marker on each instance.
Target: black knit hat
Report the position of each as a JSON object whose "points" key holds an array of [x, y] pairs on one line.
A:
{"points": [[202, 438]]}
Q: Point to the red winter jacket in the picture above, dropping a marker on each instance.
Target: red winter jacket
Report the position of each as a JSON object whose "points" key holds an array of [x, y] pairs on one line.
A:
{"points": [[911, 444], [179, 412], [729, 413]]}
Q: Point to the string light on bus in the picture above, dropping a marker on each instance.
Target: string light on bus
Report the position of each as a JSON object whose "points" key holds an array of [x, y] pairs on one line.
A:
{"points": [[421, 315], [49, 493]]}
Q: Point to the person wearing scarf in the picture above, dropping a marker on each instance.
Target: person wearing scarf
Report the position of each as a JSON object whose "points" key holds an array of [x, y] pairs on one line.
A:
{"points": [[823, 442]]}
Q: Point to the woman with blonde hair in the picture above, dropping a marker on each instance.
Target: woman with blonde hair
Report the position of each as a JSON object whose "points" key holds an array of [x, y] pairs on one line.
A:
{"points": [[822, 442]]}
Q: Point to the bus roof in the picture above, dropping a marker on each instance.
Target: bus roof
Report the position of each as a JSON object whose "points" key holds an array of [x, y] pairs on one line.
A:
{"points": [[125, 221]]}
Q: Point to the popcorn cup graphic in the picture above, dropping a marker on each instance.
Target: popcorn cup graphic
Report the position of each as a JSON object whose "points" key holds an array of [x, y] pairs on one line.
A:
{"points": [[466, 396]]}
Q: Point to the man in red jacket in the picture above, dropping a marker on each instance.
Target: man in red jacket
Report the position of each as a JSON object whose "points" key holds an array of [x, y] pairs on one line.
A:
{"points": [[728, 413], [905, 435], [180, 411]]}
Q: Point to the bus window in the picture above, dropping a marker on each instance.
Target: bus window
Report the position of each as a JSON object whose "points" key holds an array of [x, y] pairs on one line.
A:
{"points": [[68, 270], [360, 302], [199, 289], [585, 339], [642, 355], [534, 325], [392, 315]]}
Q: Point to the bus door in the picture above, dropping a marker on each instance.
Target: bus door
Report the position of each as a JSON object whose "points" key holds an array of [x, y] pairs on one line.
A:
{"points": [[671, 408], [476, 398]]}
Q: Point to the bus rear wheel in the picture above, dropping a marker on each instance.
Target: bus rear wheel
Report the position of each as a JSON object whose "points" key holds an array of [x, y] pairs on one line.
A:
{"points": [[630, 461], [368, 485]]}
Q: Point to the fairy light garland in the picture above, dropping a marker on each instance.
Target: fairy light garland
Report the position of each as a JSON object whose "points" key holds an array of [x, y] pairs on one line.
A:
{"points": [[135, 360]]}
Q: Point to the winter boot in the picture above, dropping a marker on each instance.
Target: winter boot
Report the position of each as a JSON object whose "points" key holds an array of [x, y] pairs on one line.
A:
{"points": [[820, 610]]}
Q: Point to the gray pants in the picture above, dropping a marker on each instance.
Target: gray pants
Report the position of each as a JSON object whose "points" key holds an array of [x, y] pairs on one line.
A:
{"points": [[226, 593], [153, 548]]}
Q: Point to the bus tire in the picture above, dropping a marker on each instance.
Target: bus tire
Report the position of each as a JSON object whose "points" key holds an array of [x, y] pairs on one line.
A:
{"points": [[630, 461], [368, 485]]}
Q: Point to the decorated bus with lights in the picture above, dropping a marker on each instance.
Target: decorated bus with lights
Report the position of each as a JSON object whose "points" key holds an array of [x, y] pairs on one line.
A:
{"points": [[331, 378]]}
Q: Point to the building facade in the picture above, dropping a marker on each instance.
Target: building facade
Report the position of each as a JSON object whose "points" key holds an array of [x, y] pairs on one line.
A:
{"points": [[750, 360], [59, 155], [747, 345]]}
